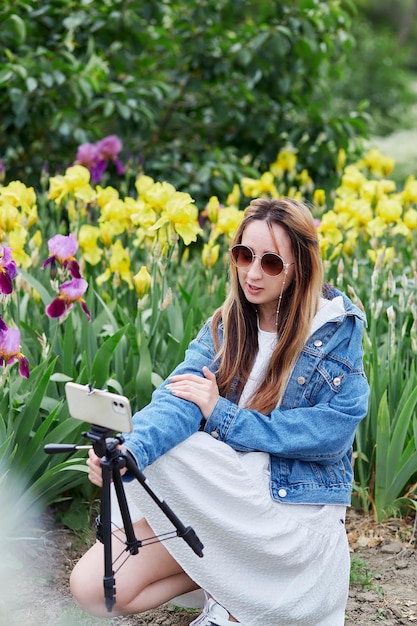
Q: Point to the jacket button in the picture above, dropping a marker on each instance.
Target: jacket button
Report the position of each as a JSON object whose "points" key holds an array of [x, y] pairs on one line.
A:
{"points": [[282, 493], [301, 380], [337, 381], [215, 433], [318, 343]]}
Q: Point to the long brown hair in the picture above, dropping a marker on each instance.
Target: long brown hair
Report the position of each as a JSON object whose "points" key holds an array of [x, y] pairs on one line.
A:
{"points": [[237, 353]]}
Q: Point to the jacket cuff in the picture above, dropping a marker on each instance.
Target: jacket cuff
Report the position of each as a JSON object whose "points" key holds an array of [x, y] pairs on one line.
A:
{"points": [[219, 422]]}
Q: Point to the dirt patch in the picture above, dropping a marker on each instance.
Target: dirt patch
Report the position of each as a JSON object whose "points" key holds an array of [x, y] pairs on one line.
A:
{"points": [[35, 569], [384, 557]]}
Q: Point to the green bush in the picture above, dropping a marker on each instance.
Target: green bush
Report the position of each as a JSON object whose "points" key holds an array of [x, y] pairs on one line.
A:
{"points": [[200, 93]]}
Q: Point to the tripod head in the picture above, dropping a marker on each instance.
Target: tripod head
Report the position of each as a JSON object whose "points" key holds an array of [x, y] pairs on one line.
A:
{"points": [[101, 441], [104, 441]]}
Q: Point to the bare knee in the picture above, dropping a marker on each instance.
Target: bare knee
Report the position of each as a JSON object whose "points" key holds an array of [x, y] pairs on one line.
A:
{"points": [[87, 589], [144, 581]]}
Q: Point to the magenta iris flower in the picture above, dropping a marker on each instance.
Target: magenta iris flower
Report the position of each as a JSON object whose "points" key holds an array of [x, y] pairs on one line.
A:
{"points": [[10, 350], [69, 292], [87, 155], [96, 156], [98, 170], [109, 148], [8, 270], [62, 249]]}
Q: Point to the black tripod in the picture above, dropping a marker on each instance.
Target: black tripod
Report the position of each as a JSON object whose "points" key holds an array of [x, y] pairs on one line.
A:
{"points": [[113, 459]]}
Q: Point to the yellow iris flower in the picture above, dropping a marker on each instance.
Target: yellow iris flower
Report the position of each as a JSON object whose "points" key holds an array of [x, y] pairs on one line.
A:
{"points": [[341, 160], [19, 195], [141, 214], [17, 241], [227, 223], [76, 182], [120, 262], [377, 227], [385, 254], [106, 195], [390, 210], [329, 228], [87, 239], [210, 254], [115, 212], [142, 281], [119, 265], [409, 193], [377, 163], [159, 194], [108, 231], [286, 161], [353, 178], [143, 183], [410, 219], [319, 197], [233, 198], [181, 217], [253, 188], [9, 217], [212, 209]]}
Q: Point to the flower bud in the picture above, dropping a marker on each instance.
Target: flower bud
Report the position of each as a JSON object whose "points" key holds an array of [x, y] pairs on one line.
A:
{"points": [[167, 301], [142, 281], [210, 255]]}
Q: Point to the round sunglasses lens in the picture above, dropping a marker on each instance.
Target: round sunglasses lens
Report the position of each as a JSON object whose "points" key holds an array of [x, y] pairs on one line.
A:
{"points": [[242, 256], [272, 264]]}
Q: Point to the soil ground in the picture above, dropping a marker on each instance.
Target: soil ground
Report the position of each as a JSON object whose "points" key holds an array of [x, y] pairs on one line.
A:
{"points": [[34, 575]]}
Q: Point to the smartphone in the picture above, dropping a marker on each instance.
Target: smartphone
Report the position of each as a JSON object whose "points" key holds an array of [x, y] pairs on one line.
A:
{"points": [[99, 407]]}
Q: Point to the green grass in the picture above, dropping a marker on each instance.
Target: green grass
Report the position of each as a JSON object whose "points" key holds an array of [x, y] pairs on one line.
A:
{"points": [[360, 572]]}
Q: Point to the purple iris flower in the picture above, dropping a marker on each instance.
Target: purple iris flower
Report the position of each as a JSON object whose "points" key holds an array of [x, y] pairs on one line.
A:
{"points": [[87, 155], [108, 148], [96, 156], [69, 292], [97, 171], [10, 350], [8, 270], [62, 249]]}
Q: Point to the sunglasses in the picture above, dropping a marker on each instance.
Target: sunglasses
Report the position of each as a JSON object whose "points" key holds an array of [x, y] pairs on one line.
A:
{"points": [[271, 263]]}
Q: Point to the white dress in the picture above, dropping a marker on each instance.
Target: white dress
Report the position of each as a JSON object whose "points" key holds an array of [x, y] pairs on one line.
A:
{"points": [[268, 563]]}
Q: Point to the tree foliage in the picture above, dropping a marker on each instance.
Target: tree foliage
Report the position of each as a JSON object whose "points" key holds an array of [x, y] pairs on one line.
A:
{"points": [[198, 90], [378, 76]]}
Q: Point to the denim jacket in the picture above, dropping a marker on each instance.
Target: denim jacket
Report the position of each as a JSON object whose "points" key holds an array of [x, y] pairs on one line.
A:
{"points": [[309, 437]]}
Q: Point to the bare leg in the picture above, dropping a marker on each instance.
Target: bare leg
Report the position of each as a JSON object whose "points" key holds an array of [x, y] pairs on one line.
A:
{"points": [[144, 581]]}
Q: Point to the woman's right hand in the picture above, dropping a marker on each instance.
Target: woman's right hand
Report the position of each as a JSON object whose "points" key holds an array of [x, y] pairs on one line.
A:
{"points": [[94, 469], [95, 473]]}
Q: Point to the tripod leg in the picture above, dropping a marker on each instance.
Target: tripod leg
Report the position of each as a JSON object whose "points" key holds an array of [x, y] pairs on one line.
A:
{"points": [[105, 516], [132, 543], [186, 533]]}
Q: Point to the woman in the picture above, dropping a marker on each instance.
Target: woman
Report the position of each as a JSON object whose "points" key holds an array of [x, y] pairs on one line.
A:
{"points": [[251, 437]]}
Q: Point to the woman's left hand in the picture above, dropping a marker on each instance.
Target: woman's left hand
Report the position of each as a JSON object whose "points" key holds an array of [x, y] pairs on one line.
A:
{"points": [[202, 391]]}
